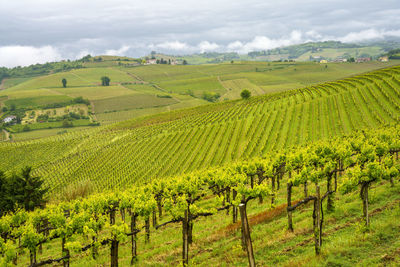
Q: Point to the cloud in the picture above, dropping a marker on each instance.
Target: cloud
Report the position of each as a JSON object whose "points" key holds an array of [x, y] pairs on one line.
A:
{"points": [[370, 34], [12, 56], [176, 45], [265, 43], [120, 52], [206, 46]]}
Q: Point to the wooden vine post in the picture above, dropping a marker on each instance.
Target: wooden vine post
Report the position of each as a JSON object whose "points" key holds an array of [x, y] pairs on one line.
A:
{"points": [[133, 238], [246, 234], [317, 227], [114, 241]]}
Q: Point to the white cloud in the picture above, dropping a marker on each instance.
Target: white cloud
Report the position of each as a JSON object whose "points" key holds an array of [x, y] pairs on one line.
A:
{"points": [[12, 56], [119, 52], [176, 45], [206, 46], [369, 34], [265, 43]]}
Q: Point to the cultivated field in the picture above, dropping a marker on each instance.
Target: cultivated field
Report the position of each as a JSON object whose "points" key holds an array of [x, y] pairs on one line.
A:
{"points": [[185, 140]]}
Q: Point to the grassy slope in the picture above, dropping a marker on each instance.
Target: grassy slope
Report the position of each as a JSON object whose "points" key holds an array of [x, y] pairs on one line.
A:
{"points": [[185, 140]]}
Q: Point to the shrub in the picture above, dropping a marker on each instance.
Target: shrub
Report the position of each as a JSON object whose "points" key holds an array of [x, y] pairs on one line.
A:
{"points": [[245, 94]]}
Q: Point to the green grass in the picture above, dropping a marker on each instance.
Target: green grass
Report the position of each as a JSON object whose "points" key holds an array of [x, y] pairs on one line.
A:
{"points": [[95, 92], [33, 102], [197, 86], [42, 133], [132, 101], [17, 128], [10, 82]]}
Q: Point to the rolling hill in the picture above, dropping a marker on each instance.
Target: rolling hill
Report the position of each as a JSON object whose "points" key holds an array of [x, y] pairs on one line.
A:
{"points": [[146, 148]]}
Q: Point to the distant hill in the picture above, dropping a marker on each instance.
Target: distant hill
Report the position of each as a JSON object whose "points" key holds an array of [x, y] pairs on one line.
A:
{"points": [[311, 51]]}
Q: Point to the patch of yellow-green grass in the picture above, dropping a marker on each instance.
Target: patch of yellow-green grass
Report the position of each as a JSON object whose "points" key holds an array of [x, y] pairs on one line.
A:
{"points": [[235, 87], [143, 88], [93, 75], [95, 92], [38, 101], [132, 101], [30, 93], [10, 82], [52, 81], [196, 86], [111, 117]]}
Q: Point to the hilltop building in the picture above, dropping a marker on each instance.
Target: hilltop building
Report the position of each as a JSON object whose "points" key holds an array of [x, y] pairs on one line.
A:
{"points": [[340, 60], [151, 61], [363, 59], [9, 119]]}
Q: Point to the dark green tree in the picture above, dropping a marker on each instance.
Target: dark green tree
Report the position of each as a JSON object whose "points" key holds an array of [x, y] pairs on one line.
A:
{"points": [[64, 82], [105, 81], [245, 94], [26, 190], [6, 202], [184, 62]]}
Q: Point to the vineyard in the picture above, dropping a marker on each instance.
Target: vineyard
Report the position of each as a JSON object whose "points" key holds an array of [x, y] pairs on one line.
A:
{"points": [[321, 173], [176, 142]]}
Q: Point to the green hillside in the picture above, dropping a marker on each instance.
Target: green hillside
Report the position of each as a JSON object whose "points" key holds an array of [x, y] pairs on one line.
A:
{"points": [[181, 141], [149, 89], [302, 205]]}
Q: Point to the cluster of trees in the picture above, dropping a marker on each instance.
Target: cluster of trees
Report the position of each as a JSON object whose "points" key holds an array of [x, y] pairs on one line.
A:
{"points": [[105, 81], [394, 54], [211, 97], [163, 61], [21, 190], [70, 116]]}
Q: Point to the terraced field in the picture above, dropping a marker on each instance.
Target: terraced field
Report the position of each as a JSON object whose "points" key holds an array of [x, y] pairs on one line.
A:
{"points": [[166, 144]]}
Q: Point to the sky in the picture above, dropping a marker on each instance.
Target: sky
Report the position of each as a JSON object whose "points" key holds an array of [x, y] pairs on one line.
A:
{"points": [[39, 31]]}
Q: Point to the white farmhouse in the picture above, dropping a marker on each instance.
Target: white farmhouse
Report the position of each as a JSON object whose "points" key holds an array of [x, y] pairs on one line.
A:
{"points": [[9, 119]]}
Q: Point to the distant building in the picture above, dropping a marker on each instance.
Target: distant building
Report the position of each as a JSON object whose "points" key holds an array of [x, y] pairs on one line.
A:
{"points": [[323, 61], [151, 61], [9, 119], [363, 59], [384, 59], [340, 60], [174, 62]]}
